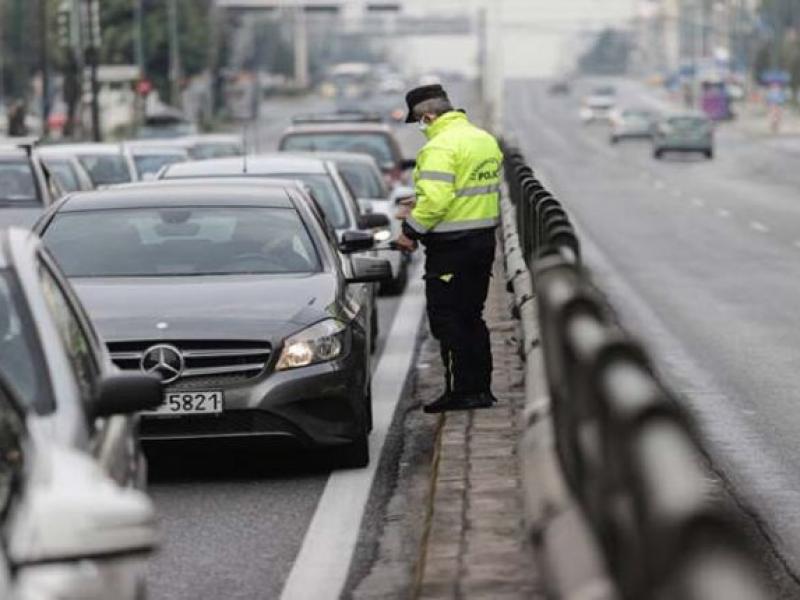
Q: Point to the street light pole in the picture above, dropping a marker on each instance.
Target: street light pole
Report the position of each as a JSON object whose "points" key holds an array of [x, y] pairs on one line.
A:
{"points": [[175, 70], [44, 66]]}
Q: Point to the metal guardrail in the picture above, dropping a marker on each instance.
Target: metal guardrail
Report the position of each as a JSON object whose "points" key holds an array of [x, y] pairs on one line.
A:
{"points": [[630, 454]]}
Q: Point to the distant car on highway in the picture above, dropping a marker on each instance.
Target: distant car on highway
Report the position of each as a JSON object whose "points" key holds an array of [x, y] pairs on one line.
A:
{"points": [[632, 123], [598, 105], [105, 163], [239, 297], [360, 137], [684, 133]]}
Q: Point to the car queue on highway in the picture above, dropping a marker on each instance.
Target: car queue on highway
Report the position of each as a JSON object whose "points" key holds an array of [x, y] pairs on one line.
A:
{"points": [[179, 290]]}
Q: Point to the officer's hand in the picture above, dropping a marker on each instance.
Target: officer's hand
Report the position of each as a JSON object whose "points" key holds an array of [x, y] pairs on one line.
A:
{"points": [[405, 243]]}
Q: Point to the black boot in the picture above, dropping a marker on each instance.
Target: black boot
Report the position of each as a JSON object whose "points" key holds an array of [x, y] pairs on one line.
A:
{"points": [[474, 401], [441, 404]]}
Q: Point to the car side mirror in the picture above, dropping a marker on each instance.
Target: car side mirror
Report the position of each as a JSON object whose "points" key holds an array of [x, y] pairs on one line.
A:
{"points": [[127, 393], [72, 510], [356, 241], [408, 163], [370, 270], [373, 221]]}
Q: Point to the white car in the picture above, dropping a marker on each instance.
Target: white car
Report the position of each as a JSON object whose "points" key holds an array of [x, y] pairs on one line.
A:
{"points": [[146, 159], [599, 105], [105, 163]]}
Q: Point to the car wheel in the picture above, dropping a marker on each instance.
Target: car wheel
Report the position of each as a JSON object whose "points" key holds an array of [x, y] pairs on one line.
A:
{"points": [[614, 139], [396, 285], [709, 154], [356, 454], [657, 154]]}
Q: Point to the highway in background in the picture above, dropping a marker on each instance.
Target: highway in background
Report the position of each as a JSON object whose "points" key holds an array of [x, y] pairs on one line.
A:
{"points": [[702, 258]]}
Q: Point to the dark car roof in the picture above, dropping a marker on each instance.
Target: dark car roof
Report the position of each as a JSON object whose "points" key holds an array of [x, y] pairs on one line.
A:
{"points": [[342, 157], [307, 128], [264, 164], [199, 193]]}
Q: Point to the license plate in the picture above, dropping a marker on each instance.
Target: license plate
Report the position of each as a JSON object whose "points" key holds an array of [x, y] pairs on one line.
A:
{"points": [[189, 403]]}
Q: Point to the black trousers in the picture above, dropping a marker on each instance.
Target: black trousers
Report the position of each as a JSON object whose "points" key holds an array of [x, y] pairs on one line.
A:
{"points": [[457, 276]]}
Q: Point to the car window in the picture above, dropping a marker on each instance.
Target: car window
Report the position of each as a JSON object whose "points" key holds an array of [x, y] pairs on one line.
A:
{"points": [[214, 150], [362, 179], [184, 241], [12, 433], [76, 341], [17, 183], [377, 145], [326, 195], [105, 169], [20, 360], [687, 122], [150, 164], [65, 175]]}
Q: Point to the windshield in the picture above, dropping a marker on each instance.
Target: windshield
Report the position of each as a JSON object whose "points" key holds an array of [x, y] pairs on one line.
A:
{"points": [[688, 122], [18, 361], [17, 184], [214, 150], [327, 197], [377, 145], [67, 177], [363, 179], [150, 164], [148, 242], [105, 169]]}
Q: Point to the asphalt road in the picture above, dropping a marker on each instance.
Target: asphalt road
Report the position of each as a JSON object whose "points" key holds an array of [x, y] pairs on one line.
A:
{"points": [[702, 258]]}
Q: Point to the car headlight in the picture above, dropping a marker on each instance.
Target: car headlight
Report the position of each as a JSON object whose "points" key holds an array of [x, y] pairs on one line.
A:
{"points": [[321, 342], [382, 235]]}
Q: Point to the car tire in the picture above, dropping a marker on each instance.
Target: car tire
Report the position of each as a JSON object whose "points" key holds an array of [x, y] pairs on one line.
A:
{"points": [[614, 140], [657, 154], [356, 454], [397, 285], [709, 154]]}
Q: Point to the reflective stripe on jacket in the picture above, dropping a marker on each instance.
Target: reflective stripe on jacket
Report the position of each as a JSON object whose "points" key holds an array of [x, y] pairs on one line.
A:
{"points": [[457, 180]]}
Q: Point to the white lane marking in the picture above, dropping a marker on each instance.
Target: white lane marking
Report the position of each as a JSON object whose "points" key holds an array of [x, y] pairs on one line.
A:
{"points": [[724, 213], [322, 565], [758, 226], [677, 193], [796, 243], [699, 202], [659, 185]]}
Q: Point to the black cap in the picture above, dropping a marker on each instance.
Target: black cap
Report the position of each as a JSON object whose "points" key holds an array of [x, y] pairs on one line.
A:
{"points": [[421, 94]]}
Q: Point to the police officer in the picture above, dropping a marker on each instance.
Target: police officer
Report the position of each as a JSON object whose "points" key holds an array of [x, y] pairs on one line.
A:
{"points": [[457, 185]]}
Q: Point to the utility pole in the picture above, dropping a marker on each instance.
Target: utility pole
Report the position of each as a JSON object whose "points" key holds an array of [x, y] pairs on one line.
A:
{"points": [[300, 48], [138, 41], [92, 11], [44, 65], [175, 69], [2, 53]]}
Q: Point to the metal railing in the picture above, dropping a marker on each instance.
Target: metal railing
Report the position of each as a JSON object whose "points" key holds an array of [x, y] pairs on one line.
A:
{"points": [[629, 452]]}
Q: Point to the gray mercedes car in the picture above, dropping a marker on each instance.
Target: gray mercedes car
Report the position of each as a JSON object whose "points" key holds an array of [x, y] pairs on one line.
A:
{"points": [[239, 297]]}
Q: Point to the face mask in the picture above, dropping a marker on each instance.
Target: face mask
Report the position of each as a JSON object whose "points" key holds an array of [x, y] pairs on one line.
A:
{"points": [[423, 125]]}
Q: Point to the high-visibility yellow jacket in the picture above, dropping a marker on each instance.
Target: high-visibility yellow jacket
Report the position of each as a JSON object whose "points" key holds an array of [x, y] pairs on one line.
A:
{"points": [[457, 180]]}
